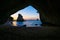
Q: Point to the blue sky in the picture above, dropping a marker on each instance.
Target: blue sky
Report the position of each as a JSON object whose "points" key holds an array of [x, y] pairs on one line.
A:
{"points": [[27, 13]]}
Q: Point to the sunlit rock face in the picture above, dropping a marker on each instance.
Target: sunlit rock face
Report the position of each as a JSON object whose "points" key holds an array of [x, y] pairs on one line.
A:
{"points": [[48, 9]]}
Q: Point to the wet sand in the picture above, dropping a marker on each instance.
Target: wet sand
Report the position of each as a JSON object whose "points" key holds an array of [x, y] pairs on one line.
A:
{"points": [[29, 32]]}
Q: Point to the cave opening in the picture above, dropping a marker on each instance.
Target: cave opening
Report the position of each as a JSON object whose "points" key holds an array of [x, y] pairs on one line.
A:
{"points": [[28, 17]]}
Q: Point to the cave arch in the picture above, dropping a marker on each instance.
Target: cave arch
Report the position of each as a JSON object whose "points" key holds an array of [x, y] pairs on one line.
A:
{"points": [[43, 6], [40, 10], [29, 13], [13, 6]]}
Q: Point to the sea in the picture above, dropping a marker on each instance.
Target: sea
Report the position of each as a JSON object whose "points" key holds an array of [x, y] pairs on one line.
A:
{"points": [[27, 23]]}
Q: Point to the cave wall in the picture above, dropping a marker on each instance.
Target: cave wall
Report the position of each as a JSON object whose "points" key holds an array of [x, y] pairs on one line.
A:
{"points": [[53, 12], [48, 10]]}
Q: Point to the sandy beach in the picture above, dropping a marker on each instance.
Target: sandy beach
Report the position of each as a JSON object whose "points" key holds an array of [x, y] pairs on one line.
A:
{"points": [[29, 32]]}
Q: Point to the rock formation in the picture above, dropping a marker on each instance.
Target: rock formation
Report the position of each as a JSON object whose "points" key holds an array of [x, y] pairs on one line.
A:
{"points": [[48, 10], [20, 18], [10, 19]]}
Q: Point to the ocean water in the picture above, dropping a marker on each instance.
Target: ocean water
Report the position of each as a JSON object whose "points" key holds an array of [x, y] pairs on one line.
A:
{"points": [[27, 23]]}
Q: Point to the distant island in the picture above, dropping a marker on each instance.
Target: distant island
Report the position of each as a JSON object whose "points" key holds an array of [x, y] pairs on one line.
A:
{"points": [[37, 19]]}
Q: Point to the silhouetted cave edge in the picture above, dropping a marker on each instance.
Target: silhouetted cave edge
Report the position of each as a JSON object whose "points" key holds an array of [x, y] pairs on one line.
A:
{"points": [[43, 7]]}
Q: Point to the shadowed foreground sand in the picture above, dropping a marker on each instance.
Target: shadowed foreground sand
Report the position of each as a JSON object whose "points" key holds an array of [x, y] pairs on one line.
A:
{"points": [[22, 33]]}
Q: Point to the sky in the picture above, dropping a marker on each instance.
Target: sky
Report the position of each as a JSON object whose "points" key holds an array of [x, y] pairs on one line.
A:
{"points": [[28, 13]]}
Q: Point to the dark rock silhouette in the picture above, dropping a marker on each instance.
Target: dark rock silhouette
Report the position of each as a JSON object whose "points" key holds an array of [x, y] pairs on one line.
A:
{"points": [[10, 19], [36, 24], [20, 18], [37, 19], [48, 11]]}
